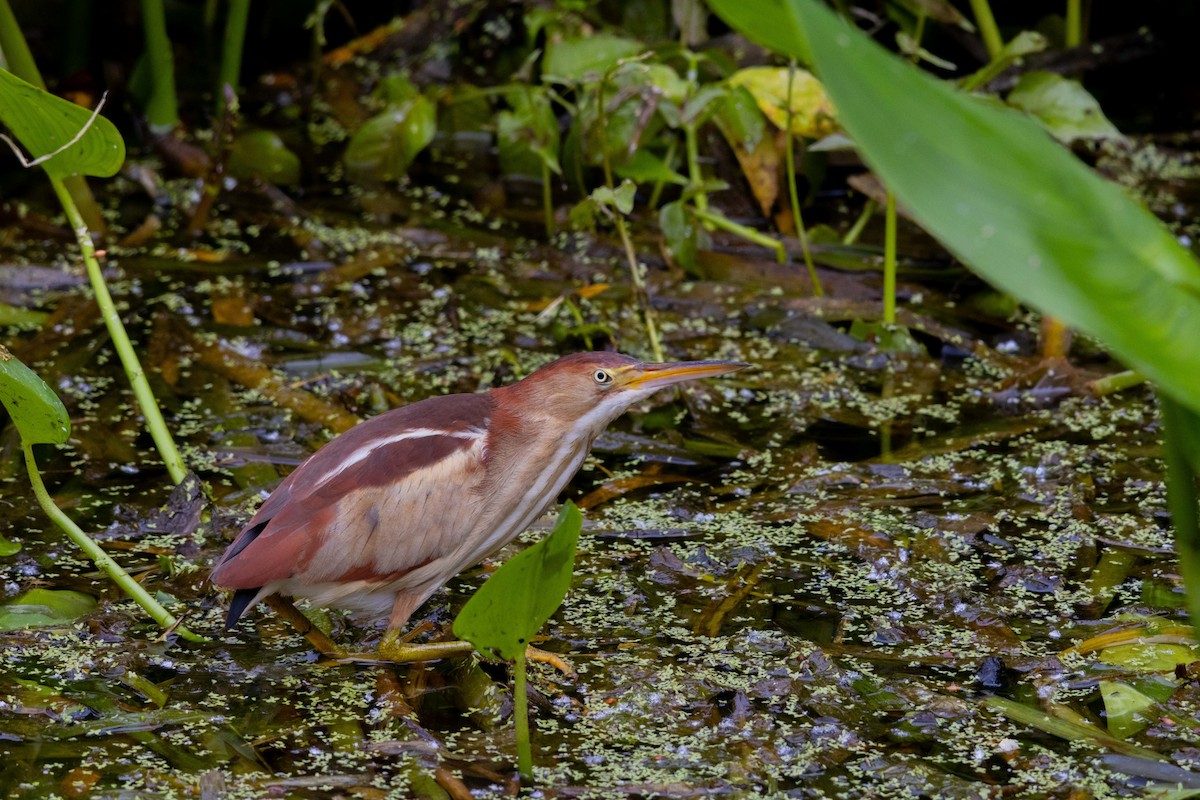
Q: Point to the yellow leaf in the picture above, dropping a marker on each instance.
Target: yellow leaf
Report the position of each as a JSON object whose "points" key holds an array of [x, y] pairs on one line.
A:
{"points": [[812, 112]]}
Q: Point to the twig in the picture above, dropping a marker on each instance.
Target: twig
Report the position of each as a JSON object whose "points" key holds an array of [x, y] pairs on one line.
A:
{"points": [[42, 159]]}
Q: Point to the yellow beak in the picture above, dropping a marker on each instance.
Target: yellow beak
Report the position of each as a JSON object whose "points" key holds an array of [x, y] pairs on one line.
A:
{"points": [[655, 376]]}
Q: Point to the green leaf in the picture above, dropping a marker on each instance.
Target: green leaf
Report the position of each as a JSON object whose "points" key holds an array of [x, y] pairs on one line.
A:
{"points": [[570, 60], [8, 548], [740, 119], [812, 114], [385, 146], [43, 608], [262, 154], [1123, 708], [685, 238], [1005, 197], [1181, 452], [1066, 109], [887, 338], [35, 409], [518, 599], [645, 167], [527, 137], [397, 89], [1148, 656], [43, 123]]}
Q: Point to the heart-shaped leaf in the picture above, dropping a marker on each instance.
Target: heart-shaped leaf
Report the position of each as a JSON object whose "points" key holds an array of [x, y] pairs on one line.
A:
{"points": [[518, 599], [35, 409], [44, 123]]}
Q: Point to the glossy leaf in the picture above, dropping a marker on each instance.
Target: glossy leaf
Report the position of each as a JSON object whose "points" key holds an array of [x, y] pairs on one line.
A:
{"points": [[1149, 656], [572, 60], [35, 409], [1004, 196], [43, 608], [1066, 109], [518, 599], [812, 112], [385, 146], [8, 547], [527, 137], [684, 236], [1124, 708], [740, 119], [43, 123], [262, 154], [646, 167]]}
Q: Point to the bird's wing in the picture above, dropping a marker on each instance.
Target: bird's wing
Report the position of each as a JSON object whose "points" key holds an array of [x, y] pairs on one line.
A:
{"points": [[387, 497]]}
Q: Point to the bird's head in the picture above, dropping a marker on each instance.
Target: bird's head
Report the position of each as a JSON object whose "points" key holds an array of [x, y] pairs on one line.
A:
{"points": [[596, 388]]}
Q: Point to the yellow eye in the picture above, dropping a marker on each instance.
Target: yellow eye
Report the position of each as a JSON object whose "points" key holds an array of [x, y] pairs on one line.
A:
{"points": [[602, 376]]}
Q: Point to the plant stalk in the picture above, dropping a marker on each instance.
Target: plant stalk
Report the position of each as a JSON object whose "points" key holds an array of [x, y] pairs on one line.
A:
{"points": [[793, 192], [120, 339], [987, 27], [1183, 495], [231, 50], [162, 109], [635, 269], [758, 237], [521, 720], [889, 260], [1074, 25], [100, 558]]}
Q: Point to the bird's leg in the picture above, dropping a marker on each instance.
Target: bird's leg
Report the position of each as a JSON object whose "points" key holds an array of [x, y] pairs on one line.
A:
{"points": [[396, 647], [315, 636]]}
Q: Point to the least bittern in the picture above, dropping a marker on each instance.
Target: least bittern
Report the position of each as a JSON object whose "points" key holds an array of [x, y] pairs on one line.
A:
{"points": [[386, 513]]}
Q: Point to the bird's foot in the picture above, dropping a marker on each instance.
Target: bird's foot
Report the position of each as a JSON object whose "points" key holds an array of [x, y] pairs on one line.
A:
{"points": [[396, 649]]}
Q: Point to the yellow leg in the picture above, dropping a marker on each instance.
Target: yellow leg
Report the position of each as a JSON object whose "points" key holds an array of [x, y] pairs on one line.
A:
{"points": [[393, 648]]}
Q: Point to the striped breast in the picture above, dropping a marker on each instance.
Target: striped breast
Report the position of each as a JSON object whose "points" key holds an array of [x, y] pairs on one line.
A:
{"points": [[530, 461]]}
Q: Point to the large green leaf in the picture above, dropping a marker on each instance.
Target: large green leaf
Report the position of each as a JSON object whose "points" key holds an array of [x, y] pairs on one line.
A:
{"points": [[571, 60], [34, 407], [42, 608], [516, 601], [43, 123], [385, 146], [1003, 196]]}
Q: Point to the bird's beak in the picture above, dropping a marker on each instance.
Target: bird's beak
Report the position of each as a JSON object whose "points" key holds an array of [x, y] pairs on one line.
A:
{"points": [[655, 376]]}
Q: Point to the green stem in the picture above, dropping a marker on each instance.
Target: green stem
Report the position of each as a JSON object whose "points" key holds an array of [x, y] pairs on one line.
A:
{"points": [[1117, 382], [758, 237], [1183, 499], [856, 229], [521, 720], [547, 199], [635, 269], [889, 260], [162, 109], [120, 339], [16, 50], [793, 192], [659, 185], [1074, 33], [100, 558], [918, 35], [231, 50], [987, 27], [695, 177]]}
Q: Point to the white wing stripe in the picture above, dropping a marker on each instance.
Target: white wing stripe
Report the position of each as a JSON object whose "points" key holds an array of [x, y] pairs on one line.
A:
{"points": [[412, 433]]}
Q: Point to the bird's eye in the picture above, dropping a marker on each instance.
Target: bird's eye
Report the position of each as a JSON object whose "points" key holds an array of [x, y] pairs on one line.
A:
{"points": [[602, 376]]}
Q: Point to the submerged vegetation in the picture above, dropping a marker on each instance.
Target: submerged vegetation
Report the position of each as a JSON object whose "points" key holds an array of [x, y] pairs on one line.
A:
{"points": [[925, 548]]}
